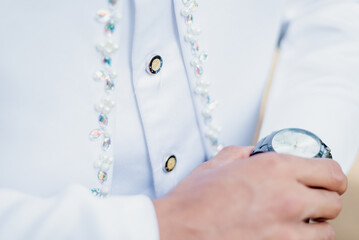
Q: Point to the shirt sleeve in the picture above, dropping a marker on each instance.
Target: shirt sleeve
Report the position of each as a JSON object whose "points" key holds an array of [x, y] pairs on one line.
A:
{"points": [[316, 83], [76, 214]]}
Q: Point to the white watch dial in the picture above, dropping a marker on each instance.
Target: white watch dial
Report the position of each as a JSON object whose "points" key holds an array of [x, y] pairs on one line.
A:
{"points": [[296, 143]]}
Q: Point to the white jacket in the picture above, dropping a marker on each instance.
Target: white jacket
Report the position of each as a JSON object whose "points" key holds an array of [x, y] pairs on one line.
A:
{"points": [[47, 58]]}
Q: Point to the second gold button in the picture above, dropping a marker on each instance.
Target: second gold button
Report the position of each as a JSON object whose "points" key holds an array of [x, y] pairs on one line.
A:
{"points": [[170, 163]]}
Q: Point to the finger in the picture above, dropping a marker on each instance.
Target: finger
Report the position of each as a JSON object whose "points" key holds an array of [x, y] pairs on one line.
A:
{"points": [[318, 173], [321, 204], [228, 155], [315, 231], [233, 153]]}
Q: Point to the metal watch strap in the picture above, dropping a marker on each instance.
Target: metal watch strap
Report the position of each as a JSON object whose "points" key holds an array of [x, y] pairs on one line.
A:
{"points": [[265, 145]]}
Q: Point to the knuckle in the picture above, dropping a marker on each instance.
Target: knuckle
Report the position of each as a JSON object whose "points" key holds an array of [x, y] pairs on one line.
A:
{"points": [[229, 149], [338, 178], [294, 208], [235, 152], [337, 206], [330, 233], [272, 159], [326, 231]]}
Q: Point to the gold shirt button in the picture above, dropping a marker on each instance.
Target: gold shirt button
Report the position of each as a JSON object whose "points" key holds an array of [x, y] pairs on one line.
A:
{"points": [[170, 163], [155, 64]]}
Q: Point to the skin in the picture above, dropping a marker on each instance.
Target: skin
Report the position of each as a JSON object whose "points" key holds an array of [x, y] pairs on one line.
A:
{"points": [[267, 196]]}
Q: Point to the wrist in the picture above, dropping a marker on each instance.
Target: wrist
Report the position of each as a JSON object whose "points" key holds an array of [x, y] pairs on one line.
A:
{"points": [[164, 218], [171, 224]]}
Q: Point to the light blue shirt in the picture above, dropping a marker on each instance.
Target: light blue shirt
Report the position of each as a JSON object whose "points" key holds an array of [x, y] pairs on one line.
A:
{"points": [[47, 59]]}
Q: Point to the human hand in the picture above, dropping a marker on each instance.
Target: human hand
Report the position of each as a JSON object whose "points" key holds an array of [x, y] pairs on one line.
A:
{"points": [[267, 196]]}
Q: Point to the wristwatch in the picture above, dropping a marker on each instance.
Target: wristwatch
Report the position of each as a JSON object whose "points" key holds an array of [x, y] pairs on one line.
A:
{"points": [[294, 141]]}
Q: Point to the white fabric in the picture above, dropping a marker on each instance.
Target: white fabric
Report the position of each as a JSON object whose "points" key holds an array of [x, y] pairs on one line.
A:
{"points": [[318, 76], [76, 214], [47, 94]]}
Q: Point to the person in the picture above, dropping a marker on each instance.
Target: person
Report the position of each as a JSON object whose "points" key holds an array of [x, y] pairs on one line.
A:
{"points": [[156, 171]]}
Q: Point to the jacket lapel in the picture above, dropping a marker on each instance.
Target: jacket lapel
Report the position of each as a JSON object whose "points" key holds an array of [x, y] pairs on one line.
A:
{"points": [[186, 38], [179, 6]]}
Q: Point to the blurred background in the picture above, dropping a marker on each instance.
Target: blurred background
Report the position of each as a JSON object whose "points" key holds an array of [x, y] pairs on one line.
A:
{"points": [[347, 224]]}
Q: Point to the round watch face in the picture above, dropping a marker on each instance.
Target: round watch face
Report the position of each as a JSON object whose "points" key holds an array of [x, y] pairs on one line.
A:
{"points": [[296, 142]]}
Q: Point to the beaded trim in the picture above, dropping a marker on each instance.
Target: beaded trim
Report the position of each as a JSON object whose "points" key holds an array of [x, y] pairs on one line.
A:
{"points": [[212, 131], [106, 75]]}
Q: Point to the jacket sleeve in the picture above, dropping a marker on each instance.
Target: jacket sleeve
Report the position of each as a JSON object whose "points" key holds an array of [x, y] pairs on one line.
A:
{"points": [[76, 214], [316, 83]]}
